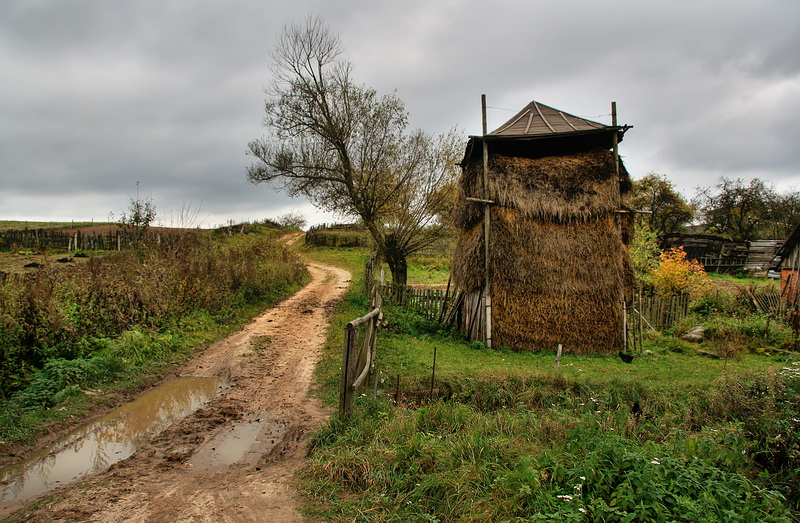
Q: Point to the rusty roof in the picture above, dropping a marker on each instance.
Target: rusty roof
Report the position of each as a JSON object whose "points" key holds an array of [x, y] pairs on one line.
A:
{"points": [[537, 119]]}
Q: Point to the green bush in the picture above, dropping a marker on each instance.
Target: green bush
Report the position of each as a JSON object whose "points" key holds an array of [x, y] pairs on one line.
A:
{"points": [[58, 374]]}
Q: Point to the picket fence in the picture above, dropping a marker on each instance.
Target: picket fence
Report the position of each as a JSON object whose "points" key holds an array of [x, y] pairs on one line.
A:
{"points": [[433, 304], [643, 312]]}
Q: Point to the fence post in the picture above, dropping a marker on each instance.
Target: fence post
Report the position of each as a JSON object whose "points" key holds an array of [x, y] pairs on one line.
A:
{"points": [[348, 368]]}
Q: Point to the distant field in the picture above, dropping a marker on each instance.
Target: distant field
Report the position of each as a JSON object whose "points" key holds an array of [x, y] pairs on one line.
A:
{"points": [[9, 225]]}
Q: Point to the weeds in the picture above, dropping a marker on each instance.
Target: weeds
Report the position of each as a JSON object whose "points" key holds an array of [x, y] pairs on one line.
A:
{"points": [[129, 312]]}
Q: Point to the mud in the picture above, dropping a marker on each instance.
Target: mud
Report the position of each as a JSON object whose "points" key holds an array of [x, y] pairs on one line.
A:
{"points": [[233, 459], [114, 437]]}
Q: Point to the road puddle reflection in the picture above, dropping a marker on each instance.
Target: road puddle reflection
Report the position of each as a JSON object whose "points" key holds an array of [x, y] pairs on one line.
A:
{"points": [[114, 437]]}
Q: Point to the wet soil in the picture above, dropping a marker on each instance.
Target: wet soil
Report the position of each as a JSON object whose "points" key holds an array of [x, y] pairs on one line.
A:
{"points": [[235, 458]]}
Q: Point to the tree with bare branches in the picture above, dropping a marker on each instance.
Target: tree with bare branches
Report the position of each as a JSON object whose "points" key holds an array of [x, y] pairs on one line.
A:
{"points": [[349, 150]]}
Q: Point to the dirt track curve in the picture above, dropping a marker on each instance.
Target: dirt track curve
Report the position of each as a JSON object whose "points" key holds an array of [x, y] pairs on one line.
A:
{"points": [[268, 367]]}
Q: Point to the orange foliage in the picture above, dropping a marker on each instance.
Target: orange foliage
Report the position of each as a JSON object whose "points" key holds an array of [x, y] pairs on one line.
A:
{"points": [[677, 275]]}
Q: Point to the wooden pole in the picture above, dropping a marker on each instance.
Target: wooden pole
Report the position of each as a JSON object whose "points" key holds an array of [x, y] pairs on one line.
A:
{"points": [[345, 392], [558, 362], [433, 374], [618, 218], [487, 295]]}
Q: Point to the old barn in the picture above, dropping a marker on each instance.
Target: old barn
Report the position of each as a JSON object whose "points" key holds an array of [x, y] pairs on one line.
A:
{"points": [[558, 266]]}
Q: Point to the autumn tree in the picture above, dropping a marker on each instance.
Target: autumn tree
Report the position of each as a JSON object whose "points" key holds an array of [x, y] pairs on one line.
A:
{"points": [[349, 150], [751, 210], [667, 210]]}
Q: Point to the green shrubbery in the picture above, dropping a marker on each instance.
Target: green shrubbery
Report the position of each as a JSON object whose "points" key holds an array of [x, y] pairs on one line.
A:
{"points": [[450, 462], [130, 310]]}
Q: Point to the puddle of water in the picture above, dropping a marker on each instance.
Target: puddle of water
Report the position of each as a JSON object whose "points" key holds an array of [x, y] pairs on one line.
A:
{"points": [[114, 437], [245, 442]]}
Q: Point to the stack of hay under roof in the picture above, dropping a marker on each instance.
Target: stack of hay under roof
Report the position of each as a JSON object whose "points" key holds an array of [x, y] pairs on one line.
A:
{"points": [[558, 264]]}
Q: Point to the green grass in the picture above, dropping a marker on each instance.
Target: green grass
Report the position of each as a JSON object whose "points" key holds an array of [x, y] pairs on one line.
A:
{"points": [[350, 258], [503, 439], [428, 270], [761, 283]]}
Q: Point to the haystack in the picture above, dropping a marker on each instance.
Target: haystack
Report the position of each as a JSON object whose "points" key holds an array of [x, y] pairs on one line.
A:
{"points": [[559, 264]]}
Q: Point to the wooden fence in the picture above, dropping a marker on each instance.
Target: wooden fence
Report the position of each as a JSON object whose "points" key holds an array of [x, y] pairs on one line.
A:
{"points": [[337, 235], [358, 356], [112, 240], [434, 304], [768, 303], [659, 312]]}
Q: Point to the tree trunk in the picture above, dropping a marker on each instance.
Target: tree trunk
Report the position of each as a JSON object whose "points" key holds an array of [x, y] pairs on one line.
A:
{"points": [[396, 260]]}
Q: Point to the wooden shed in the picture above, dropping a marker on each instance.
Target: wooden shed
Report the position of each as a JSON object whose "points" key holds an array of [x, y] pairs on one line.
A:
{"points": [[788, 259], [557, 264], [714, 253]]}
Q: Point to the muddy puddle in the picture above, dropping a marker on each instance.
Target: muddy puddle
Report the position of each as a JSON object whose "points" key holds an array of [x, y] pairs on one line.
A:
{"points": [[114, 437], [244, 443]]}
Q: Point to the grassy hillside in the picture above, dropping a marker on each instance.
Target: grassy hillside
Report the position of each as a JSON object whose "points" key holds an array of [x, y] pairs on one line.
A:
{"points": [[500, 436]]}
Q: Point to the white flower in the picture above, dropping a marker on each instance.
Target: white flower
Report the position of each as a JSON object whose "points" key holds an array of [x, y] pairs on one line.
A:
{"points": [[583, 510], [583, 478], [565, 497], [655, 462]]}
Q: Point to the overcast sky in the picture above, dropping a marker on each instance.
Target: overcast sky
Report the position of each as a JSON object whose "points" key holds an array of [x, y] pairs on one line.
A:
{"points": [[97, 95]]}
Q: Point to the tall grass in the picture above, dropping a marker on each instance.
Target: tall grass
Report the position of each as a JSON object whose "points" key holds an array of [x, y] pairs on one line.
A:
{"points": [[129, 313]]}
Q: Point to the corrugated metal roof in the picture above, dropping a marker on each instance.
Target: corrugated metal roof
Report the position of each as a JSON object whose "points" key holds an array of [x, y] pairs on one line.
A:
{"points": [[537, 119]]}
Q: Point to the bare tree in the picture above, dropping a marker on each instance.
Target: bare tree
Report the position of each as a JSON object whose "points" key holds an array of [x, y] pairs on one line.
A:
{"points": [[348, 150]]}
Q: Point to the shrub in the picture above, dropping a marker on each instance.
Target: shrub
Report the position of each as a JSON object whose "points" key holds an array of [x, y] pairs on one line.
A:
{"points": [[676, 275], [136, 296]]}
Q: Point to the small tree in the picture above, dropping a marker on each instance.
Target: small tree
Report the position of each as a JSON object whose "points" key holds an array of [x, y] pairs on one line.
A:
{"points": [[644, 253], [737, 209], [294, 219], [140, 215]]}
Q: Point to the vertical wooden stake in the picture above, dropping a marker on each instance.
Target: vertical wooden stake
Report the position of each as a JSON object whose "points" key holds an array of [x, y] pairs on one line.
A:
{"points": [[625, 323], [433, 374], [558, 362]]}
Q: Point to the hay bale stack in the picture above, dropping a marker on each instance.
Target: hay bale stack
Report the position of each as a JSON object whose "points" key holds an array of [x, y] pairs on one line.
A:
{"points": [[559, 265]]}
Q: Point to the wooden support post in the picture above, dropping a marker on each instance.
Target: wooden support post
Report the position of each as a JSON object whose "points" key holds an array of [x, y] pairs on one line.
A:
{"points": [[615, 142], [487, 294]]}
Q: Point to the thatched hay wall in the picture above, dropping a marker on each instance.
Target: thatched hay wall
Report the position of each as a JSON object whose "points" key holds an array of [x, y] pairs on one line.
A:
{"points": [[558, 262]]}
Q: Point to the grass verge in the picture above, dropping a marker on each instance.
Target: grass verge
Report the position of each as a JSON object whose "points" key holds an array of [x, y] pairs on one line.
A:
{"points": [[500, 436]]}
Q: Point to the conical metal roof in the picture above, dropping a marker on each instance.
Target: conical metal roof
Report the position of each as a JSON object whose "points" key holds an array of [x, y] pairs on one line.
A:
{"points": [[537, 119]]}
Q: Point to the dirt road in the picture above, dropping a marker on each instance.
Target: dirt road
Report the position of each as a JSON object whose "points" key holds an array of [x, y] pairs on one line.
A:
{"points": [[262, 418]]}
